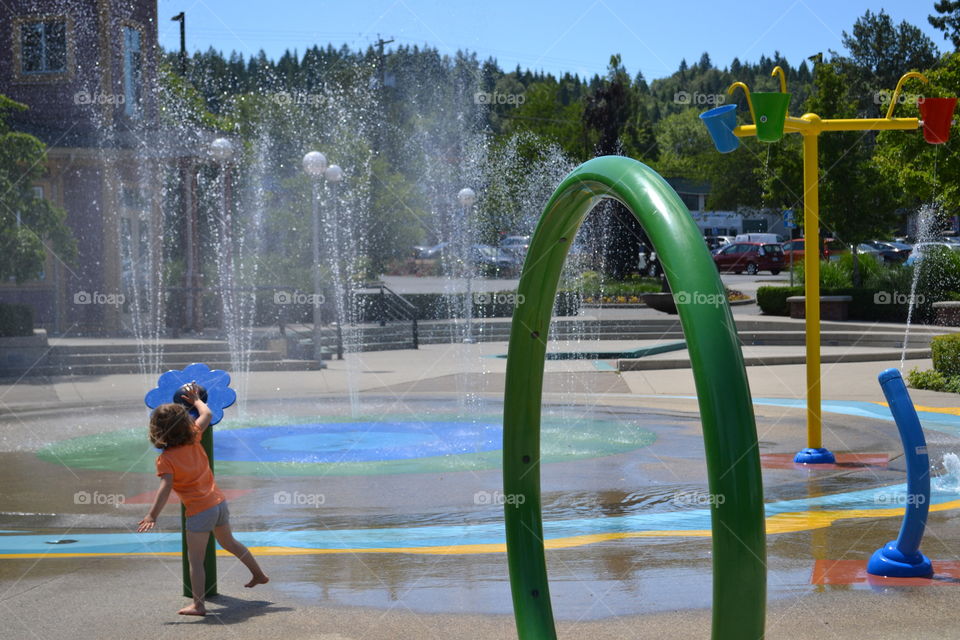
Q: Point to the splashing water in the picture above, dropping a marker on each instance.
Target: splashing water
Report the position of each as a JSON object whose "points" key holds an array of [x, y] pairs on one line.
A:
{"points": [[949, 482], [926, 230]]}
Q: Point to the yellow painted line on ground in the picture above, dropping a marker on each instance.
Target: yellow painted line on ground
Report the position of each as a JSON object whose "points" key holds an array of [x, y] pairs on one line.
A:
{"points": [[794, 522], [953, 411]]}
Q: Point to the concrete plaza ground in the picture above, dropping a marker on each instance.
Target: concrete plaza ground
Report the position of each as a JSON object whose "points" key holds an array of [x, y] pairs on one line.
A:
{"points": [[623, 588]]}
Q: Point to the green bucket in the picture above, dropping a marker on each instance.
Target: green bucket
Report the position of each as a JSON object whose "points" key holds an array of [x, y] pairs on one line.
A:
{"points": [[770, 110]]}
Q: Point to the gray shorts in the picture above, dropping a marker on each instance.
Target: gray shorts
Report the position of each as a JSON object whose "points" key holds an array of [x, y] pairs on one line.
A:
{"points": [[216, 516]]}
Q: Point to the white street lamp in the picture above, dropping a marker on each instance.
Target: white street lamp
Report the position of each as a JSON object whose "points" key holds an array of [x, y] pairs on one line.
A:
{"points": [[467, 197], [333, 173], [221, 150], [314, 164]]}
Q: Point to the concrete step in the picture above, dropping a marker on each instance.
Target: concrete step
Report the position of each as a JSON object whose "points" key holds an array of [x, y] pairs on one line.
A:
{"points": [[82, 359], [683, 362], [206, 346], [110, 369]]}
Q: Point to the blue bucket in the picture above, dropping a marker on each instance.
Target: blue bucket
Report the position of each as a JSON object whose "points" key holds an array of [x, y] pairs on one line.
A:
{"points": [[721, 122]]}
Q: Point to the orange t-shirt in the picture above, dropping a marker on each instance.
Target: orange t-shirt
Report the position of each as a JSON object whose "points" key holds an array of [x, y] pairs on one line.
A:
{"points": [[192, 478]]}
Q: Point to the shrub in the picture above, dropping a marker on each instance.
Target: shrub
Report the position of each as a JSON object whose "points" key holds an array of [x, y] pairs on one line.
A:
{"points": [[593, 285], [773, 300], [939, 275], [933, 380], [946, 354], [15, 320]]}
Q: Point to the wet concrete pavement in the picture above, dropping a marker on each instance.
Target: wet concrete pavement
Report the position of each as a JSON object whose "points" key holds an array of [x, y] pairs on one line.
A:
{"points": [[338, 584]]}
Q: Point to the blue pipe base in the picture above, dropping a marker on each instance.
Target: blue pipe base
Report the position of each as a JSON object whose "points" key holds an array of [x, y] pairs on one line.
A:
{"points": [[890, 562], [815, 456]]}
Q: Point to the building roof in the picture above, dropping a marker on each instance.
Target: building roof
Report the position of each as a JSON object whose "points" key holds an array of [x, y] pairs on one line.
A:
{"points": [[686, 185]]}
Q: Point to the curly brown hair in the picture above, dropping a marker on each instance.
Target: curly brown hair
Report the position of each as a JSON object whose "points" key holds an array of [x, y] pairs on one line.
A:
{"points": [[171, 425]]}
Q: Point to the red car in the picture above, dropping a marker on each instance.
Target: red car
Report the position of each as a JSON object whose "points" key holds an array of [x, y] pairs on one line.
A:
{"points": [[751, 257]]}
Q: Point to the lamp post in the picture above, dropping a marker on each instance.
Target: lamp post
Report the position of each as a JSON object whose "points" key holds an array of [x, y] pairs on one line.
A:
{"points": [[221, 152], [314, 165], [467, 197], [333, 175]]}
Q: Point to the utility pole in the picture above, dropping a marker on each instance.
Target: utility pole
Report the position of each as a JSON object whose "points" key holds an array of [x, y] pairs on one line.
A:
{"points": [[378, 139], [381, 90], [182, 19]]}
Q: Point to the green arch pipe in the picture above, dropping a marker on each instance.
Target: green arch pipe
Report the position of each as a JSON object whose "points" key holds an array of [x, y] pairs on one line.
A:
{"points": [[726, 410]]}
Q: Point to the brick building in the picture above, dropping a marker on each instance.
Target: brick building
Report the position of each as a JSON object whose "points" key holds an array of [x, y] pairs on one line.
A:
{"points": [[87, 70]]}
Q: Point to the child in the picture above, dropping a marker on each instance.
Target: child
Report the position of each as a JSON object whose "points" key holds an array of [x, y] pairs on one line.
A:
{"points": [[183, 466]]}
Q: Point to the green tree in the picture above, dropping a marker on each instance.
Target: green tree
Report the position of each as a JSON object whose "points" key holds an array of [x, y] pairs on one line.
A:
{"points": [[28, 224], [925, 172], [857, 199], [948, 21]]}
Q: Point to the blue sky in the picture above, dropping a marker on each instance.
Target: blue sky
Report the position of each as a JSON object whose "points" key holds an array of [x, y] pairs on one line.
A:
{"points": [[651, 35]]}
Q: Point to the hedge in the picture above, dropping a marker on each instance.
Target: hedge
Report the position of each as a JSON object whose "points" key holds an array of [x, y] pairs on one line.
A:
{"points": [[15, 320], [933, 380], [866, 303], [946, 354], [773, 300]]}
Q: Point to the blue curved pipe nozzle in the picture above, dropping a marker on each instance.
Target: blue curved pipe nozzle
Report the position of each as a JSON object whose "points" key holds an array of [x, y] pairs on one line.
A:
{"points": [[901, 558]]}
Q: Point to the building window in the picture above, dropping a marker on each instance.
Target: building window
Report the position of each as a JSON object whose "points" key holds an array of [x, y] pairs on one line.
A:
{"points": [[691, 200], [43, 46], [132, 71]]}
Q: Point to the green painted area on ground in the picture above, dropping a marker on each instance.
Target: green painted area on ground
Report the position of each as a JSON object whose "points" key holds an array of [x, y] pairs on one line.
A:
{"points": [[564, 438]]}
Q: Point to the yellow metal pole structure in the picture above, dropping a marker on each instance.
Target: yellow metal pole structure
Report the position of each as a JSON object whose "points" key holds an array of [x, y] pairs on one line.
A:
{"points": [[810, 126], [811, 288]]}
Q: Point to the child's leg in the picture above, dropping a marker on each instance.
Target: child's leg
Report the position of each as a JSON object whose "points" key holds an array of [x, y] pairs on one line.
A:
{"points": [[225, 537], [196, 551]]}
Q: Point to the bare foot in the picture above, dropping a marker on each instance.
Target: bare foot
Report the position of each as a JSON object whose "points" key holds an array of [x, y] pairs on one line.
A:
{"points": [[193, 610], [255, 580]]}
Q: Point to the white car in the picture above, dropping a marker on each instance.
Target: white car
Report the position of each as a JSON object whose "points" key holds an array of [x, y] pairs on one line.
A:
{"points": [[517, 245]]}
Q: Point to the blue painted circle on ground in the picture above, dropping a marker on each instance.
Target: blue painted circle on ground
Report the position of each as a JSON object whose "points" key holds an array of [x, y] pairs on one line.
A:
{"points": [[356, 441]]}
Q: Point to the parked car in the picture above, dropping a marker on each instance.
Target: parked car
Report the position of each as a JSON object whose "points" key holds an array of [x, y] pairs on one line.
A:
{"points": [[517, 245], [435, 252], [750, 257], [863, 249], [717, 242], [794, 249], [490, 261], [892, 252], [767, 238]]}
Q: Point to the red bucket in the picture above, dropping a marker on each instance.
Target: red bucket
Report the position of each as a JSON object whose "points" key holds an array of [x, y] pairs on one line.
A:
{"points": [[937, 116]]}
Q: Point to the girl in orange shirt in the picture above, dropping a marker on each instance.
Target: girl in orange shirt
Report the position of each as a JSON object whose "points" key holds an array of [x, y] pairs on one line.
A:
{"points": [[183, 466]]}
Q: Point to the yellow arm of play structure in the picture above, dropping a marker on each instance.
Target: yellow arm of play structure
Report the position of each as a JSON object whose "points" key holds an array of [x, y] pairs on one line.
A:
{"points": [[812, 124], [746, 91], [783, 78], [896, 92]]}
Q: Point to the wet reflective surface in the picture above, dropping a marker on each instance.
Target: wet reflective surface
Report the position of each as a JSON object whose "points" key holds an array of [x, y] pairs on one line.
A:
{"points": [[435, 528]]}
